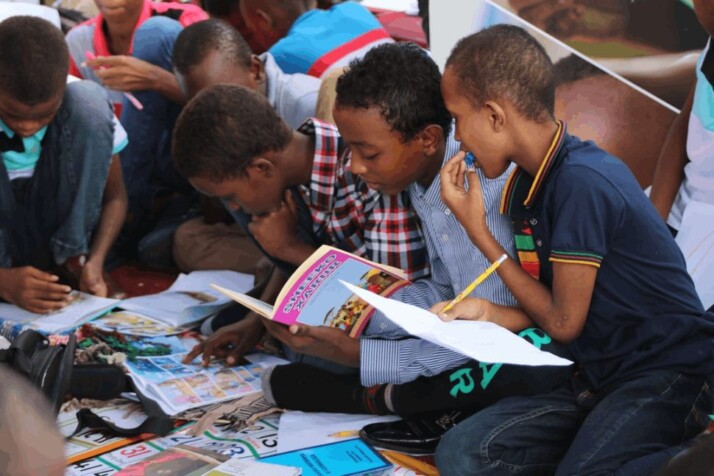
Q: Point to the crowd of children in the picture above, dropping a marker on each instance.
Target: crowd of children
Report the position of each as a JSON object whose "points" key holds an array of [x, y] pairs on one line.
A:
{"points": [[184, 148]]}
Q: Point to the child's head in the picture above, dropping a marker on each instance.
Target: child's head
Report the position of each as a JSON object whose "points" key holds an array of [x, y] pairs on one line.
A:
{"points": [[389, 110], [30, 443], [270, 20], [496, 82], [705, 14], [213, 52], [226, 142], [34, 62]]}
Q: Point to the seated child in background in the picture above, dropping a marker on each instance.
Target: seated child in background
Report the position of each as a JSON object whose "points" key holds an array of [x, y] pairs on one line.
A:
{"points": [[306, 40], [30, 443], [608, 280], [685, 171], [291, 190], [212, 52], [133, 41], [62, 196]]}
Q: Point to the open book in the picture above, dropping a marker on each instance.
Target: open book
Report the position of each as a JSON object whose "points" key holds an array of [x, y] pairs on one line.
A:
{"points": [[314, 296]]}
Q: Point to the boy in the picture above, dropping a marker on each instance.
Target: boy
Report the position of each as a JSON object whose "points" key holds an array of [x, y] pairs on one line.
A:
{"points": [[290, 190], [132, 41], [306, 40], [212, 52], [62, 197], [609, 281], [685, 170]]}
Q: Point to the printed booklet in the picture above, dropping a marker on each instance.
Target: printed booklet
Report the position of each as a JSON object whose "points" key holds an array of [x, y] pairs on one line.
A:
{"points": [[314, 295]]}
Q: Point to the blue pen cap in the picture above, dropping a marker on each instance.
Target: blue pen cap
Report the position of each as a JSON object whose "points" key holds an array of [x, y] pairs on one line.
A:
{"points": [[469, 159]]}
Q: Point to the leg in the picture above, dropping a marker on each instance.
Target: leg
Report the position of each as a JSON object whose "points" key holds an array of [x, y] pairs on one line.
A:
{"points": [[636, 421], [518, 435]]}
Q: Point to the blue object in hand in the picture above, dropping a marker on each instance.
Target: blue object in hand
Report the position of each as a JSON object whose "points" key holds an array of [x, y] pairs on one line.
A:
{"points": [[469, 159]]}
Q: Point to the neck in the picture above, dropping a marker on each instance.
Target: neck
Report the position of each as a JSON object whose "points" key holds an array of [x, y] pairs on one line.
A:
{"points": [[433, 165], [533, 144], [297, 158], [121, 33]]}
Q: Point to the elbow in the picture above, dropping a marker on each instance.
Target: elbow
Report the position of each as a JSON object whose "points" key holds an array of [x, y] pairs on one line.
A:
{"points": [[565, 329]]}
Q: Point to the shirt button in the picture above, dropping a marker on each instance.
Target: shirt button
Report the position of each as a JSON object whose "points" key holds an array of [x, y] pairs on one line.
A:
{"points": [[539, 242], [447, 212], [445, 237], [534, 221]]}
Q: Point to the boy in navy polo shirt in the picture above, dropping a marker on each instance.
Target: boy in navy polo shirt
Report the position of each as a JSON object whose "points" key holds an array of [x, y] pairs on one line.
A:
{"points": [[598, 270]]}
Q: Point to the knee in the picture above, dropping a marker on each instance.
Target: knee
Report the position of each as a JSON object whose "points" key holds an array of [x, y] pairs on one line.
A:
{"points": [[457, 453], [85, 105], [154, 40]]}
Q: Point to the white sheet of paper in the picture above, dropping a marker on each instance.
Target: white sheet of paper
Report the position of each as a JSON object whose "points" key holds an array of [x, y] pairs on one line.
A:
{"points": [[483, 341], [696, 240], [410, 7], [301, 430]]}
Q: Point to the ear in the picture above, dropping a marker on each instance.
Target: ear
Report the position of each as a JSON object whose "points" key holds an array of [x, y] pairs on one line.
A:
{"points": [[260, 168], [264, 21], [257, 70], [496, 115], [432, 136]]}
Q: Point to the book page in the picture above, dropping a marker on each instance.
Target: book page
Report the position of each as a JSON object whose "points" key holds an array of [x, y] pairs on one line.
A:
{"points": [[314, 295], [256, 305], [482, 341]]}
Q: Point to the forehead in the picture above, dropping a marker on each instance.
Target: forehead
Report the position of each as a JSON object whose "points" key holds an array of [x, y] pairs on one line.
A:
{"points": [[18, 109], [363, 126], [209, 187]]}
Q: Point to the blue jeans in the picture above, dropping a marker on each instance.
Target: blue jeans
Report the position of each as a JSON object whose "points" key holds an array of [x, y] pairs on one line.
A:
{"points": [[630, 428], [50, 217]]}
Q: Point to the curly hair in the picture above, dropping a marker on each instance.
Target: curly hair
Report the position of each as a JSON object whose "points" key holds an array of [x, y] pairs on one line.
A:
{"points": [[196, 41], [401, 80], [505, 61], [34, 59], [222, 129]]}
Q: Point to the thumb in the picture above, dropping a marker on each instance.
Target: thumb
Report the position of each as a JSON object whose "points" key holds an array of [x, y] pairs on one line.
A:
{"points": [[447, 316], [472, 180], [303, 331]]}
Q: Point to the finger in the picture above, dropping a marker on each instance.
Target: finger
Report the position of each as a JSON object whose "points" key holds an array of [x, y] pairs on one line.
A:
{"points": [[106, 61], [301, 331], [195, 352], [473, 181], [41, 275], [46, 288], [43, 306], [436, 308], [235, 355]]}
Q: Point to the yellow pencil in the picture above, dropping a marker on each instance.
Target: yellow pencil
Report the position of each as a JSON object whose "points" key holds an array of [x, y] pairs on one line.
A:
{"points": [[476, 282]]}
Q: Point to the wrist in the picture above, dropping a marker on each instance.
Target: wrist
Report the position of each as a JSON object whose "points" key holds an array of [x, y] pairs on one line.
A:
{"points": [[5, 278]]}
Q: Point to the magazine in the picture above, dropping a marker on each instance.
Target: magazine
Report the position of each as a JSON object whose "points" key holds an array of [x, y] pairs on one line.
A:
{"points": [[314, 296], [180, 460], [189, 300], [177, 387]]}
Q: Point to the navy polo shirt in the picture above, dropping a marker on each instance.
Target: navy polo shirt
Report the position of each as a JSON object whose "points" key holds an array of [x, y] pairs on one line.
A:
{"points": [[584, 206]]}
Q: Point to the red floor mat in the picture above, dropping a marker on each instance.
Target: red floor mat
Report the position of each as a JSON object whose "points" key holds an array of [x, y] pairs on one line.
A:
{"points": [[137, 281]]}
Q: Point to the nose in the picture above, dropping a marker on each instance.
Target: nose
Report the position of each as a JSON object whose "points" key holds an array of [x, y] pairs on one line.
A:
{"points": [[357, 166], [233, 205], [28, 128]]}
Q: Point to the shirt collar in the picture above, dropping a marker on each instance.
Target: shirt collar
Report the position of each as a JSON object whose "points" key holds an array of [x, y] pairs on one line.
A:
{"points": [[521, 186], [432, 195], [273, 75], [328, 162]]}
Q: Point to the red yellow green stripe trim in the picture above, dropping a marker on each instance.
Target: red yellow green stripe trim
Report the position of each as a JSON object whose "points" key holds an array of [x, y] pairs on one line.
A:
{"points": [[575, 257]]}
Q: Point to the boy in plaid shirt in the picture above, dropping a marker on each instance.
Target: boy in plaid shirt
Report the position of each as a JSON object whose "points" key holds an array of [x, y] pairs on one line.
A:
{"points": [[291, 190]]}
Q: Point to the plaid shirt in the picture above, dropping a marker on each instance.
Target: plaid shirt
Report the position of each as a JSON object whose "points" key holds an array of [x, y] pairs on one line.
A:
{"points": [[347, 213]]}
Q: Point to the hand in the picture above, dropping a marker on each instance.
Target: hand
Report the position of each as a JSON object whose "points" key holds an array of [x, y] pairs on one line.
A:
{"points": [[230, 342], [277, 231], [34, 290], [324, 342], [470, 309], [125, 73], [466, 205], [91, 279]]}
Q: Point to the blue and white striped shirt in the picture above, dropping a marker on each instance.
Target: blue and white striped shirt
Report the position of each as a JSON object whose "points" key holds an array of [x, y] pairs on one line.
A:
{"points": [[387, 353]]}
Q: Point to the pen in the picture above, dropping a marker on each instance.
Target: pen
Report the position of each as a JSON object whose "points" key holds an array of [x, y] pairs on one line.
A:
{"points": [[476, 282], [132, 99]]}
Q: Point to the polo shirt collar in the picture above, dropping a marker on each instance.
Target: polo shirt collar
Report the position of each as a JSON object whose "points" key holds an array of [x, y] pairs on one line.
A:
{"points": [[521, 186], [101, 47]]}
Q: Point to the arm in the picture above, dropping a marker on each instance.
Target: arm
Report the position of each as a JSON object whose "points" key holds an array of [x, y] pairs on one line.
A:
{"points": [[114, 207], [33, 290], [670, 165], [126, 73], [562, 312], [233, 341]]}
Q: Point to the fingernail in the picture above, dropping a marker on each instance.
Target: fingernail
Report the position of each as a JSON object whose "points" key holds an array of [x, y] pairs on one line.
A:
{"points": [[230, 360]]}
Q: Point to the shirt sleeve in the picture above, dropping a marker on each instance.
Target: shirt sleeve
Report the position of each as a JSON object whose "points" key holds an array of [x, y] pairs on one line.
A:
{"points": [[121, 140], [587, 210]]}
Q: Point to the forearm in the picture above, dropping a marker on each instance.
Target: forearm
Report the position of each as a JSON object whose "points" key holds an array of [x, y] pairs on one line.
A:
{"points": [[5, 279], [512, 318], [296, 254], [535, 299], [111, 219], [274, 286], [669, 172]]}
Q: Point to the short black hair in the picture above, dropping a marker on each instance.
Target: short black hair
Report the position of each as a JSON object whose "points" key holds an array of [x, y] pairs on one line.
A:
{"points": [[505, 61], [573, 68], [196, 41], [34, 59], [401, 80], [219, 8], [222, 129]]}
